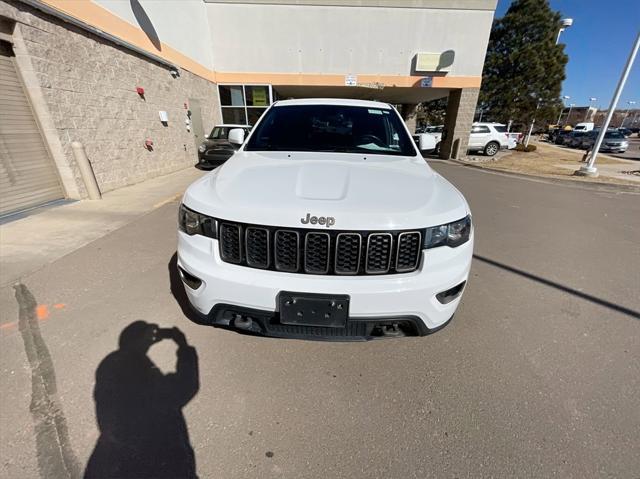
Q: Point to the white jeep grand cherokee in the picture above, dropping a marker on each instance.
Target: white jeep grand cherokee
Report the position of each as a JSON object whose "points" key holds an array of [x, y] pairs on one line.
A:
{"points": [[326, 223]]}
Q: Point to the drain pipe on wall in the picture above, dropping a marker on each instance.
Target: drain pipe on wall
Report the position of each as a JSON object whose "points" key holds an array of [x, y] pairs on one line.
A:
{"points": [[88, 177]]}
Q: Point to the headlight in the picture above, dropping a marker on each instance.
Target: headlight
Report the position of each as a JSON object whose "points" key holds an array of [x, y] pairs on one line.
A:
{"points": [[624, 144], [452, 234], [202, 148], [194, 223]]}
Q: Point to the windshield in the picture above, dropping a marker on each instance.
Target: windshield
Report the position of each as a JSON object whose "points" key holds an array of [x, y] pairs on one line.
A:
{"points": [[219, 133], [613, 134], [341, 128]]}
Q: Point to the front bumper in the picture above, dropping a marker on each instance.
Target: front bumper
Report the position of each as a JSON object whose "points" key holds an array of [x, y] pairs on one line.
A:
{"points": [[230, 293]]}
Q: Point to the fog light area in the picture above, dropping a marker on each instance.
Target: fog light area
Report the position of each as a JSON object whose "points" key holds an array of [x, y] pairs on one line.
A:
{"points": [[190, 280], [449, 295]]}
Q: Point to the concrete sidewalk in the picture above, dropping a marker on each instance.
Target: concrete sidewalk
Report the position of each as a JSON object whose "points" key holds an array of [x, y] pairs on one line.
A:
{"points": [[29, 243]]}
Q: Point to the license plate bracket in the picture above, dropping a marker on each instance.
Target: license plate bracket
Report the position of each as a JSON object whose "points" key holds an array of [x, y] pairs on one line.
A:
{"points": [[312, 309]]}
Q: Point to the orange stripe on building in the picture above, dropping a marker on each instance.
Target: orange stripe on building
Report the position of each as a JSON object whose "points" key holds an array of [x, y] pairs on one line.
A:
{"points": [[305, 79]]}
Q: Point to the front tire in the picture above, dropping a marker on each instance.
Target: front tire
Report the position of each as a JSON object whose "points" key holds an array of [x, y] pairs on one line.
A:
{"points": [[491, 148]]}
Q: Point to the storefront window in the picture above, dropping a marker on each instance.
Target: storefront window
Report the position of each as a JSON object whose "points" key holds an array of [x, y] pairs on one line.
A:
{"points": [[244, 104], [234, 115], [231, 95], [254, 114]]}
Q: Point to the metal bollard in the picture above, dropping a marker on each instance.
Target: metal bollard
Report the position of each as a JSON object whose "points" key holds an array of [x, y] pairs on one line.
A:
{"points": [[86, 171]]}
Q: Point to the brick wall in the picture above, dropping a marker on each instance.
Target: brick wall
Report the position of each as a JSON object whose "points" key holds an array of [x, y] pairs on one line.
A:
{"points": [[89, 89], [461, 108]]}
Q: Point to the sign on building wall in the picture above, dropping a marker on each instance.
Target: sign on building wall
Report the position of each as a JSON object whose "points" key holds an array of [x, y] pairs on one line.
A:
{"points": [[435, 62], [426, 82], [350, 80], [260, 97]]}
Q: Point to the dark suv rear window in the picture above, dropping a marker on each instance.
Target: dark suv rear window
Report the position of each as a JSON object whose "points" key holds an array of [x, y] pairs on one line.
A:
{"points": [[613, 134]]}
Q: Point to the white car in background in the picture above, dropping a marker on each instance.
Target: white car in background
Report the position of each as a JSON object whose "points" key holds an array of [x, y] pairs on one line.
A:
{"points": [[489, 138], [429, 138]]}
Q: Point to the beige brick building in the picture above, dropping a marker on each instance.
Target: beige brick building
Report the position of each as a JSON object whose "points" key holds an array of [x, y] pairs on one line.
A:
{"points": [[74, 71]]}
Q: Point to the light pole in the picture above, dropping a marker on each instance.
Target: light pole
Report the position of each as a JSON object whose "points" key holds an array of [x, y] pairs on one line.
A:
{"points": [[566, 23], [630, 102], [566, 97], [589, 169], [591, 100], [571, 105], [533, 120]]}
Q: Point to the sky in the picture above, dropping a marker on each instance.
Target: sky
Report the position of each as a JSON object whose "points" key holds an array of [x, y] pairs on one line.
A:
{"points": [[598, 44]]}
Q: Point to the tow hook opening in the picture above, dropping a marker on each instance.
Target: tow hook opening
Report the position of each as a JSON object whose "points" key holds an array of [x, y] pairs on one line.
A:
{"points": [[242, 322], [393, 329], [449, 295], [189, 279]]}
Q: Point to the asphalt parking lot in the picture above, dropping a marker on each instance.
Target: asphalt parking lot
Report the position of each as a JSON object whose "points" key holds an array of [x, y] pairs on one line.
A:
{"points": [[538, 375]]}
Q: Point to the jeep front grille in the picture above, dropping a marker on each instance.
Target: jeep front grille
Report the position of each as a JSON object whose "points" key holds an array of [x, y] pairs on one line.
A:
{"points": [[230, 243], [320, 251], [348, 252]]}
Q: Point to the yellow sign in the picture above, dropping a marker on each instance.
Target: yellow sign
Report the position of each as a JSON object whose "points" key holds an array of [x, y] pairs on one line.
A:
{"points": [[260, 97], [435, 62]]}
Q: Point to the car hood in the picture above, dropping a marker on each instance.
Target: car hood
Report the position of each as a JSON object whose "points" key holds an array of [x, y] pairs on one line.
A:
{"points": [[360, 192]]}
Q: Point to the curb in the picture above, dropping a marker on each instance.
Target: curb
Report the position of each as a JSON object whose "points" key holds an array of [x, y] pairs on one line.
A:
{"points": [[596, 185]]}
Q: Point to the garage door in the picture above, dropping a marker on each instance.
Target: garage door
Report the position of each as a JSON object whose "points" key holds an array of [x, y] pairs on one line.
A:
{"points": [[28, 176]]}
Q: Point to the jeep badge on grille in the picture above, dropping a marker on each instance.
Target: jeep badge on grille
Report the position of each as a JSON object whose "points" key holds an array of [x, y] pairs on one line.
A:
{"points": [[328, 221]]}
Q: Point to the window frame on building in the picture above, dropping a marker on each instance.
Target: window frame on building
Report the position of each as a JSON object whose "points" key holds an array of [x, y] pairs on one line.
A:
{"points": [[244, 107]]}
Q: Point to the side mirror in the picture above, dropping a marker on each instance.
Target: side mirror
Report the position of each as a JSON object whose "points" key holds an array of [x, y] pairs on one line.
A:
{"points": [[427, 142], [236, 136]]}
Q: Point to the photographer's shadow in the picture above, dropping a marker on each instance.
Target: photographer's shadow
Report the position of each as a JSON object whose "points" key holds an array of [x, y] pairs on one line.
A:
{"points": [[143, 433]]}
